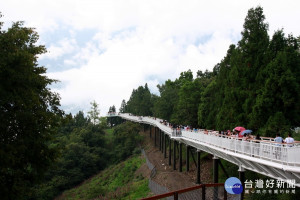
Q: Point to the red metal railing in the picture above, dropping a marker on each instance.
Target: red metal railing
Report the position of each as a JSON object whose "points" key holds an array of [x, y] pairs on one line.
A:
{"points": [[177, 192]]}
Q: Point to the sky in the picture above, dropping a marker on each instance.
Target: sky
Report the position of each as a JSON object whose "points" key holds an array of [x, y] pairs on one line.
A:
{"points": [[103, 49]]}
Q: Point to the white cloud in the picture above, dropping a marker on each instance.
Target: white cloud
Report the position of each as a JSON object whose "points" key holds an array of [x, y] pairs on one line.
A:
{"points": [[138, 41], [69, 62], [61, 48]]}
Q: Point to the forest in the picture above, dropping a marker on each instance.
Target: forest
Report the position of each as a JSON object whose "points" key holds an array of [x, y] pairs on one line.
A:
{"points": [[44, 151], [256, 85]]}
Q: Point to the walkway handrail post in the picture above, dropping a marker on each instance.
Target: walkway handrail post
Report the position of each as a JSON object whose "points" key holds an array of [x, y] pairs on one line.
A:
{"points": [[175, 196], [203, 191]]}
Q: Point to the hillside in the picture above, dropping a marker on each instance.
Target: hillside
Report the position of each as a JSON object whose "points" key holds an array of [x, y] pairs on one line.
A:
{"points": [[129, 179], [126, 180], [173, 179]]}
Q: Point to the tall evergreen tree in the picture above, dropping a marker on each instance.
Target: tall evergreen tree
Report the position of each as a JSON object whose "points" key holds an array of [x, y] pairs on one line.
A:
{"points": [[140, 102], [280, 90], [166, 102], [253, 48], [123, 106], [29, 112]]}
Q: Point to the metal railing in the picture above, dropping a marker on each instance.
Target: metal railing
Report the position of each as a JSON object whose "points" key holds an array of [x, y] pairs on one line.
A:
{"points": [[197, 192], [153, 185], [176, 132], [264, 149], [157, 188]]}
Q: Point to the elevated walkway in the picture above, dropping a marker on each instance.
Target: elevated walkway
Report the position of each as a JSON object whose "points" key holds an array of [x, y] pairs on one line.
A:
{"points": [[266, 157]]}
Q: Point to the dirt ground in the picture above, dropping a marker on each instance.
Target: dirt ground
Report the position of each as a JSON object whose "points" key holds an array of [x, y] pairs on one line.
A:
{"points": [[166, 176]]}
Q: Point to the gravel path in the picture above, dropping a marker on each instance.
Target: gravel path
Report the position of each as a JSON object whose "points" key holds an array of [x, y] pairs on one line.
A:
{"points": [[173, 179]]}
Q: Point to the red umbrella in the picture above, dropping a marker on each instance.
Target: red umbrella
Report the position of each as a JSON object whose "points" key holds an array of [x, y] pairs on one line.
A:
{"points": [[240, 129]]}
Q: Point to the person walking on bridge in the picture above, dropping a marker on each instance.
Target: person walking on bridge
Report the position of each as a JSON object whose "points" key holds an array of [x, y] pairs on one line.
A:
{"points": [[289, 140], [279, 141]]}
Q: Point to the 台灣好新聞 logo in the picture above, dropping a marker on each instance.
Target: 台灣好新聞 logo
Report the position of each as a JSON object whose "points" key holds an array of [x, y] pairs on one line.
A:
{"points": [[233, 185]]}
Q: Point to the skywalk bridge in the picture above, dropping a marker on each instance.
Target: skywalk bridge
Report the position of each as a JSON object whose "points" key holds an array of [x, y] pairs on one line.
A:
{"points": [[266, 157]]}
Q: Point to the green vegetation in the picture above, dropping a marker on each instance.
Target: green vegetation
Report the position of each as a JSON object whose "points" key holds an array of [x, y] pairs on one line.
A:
{"points": [[116, 182], [29, 113], [85, 150], [256, 85], [140, 102], [44, 151]]}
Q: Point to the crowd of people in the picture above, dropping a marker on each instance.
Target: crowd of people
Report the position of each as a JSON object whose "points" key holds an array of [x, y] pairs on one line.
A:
{"points": [[247, 136], [235, 133]]}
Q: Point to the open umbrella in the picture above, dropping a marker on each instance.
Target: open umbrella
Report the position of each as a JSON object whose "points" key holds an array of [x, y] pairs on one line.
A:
{"points": [[246, 132], [240, 129]]}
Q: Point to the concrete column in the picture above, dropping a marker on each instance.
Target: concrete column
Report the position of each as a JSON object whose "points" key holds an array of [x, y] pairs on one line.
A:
{"points": [[216, 175], [159, 138], [216, 169], [162, 141], [198, 167], [165, 141], [155, 136], [174, 155], [170, 150], [180, 157], [242, 179], [187, 158]]}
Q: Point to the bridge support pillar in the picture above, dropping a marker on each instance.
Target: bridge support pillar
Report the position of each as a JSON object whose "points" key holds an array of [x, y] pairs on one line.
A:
{"points": [[159, 138], [174, 155], [165, 146], [187, 158], [150, 128], [216, 169], [242, 179], [170, 150], [162, 140], [216, 175], [198, 167], [180, 157], [155, 136]]}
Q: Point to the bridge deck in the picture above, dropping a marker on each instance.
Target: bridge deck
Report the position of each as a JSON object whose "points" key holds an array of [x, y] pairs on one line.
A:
{"points": [[266, 157]]}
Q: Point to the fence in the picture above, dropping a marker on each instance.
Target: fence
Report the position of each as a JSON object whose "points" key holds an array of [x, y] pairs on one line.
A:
{"points": [[265, 149], [154, 186], [203, 191]]}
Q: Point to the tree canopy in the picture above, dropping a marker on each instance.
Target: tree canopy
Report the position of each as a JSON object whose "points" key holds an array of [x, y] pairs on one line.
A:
{"points": [[255, 85], [29, 112]]}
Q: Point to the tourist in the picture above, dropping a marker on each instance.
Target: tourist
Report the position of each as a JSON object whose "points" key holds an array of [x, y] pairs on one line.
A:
{"points": [[289, 140], [257, 137], [228, 132], [278, 139], [246, 137]]}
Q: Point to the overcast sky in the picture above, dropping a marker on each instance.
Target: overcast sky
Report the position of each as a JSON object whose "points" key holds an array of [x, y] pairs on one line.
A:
{"points": [[102, 49]]}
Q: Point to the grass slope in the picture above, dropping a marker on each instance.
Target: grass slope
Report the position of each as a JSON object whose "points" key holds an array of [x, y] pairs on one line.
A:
{"points": [[117, 182]]}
